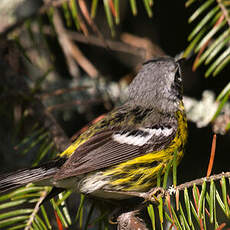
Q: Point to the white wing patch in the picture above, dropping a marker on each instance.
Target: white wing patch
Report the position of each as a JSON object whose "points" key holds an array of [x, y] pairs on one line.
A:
{"points": [[159, 131], [142, 137], [131, 140]]}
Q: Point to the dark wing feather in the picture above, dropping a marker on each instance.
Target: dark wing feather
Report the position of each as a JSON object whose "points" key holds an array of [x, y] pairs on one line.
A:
{"points": [[102, 151]]}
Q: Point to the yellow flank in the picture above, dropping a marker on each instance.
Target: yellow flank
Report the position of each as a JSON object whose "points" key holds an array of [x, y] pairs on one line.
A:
{"points": [[144, 177]]}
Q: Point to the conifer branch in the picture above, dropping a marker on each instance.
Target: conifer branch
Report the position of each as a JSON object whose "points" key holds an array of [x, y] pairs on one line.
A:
{"points": [[201, 180]]}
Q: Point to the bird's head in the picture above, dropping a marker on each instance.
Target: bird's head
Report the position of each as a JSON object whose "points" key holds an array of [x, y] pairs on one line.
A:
{"points": [[158, 84]]}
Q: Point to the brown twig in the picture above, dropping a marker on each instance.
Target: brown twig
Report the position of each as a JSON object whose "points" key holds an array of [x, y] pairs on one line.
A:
{"points": [[95, 41], [170, 210], [228, 199], [81, 23], [58, 92], [89, 20], [212, 156], [49, 4], [205, 44], [36, 209], [113, 45], [70, 50], [194, 190], [152, 50], [65, 43], [112, 8], [59, 223], [225, 11], [221, 226], [196, 202], [201, 180]]}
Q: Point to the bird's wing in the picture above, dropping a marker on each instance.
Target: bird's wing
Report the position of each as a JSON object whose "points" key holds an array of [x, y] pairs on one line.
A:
{"points": [[110, 147]]}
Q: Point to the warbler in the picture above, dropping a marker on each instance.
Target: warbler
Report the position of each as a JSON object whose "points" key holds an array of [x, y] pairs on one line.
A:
{"points": [[125, 150]]}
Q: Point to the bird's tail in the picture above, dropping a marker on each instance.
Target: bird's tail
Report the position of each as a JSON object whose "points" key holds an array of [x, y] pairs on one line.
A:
{"points": [[22, 177]]}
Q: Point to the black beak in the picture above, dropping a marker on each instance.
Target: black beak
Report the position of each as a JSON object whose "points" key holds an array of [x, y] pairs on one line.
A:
{"points": [[181, 61]]}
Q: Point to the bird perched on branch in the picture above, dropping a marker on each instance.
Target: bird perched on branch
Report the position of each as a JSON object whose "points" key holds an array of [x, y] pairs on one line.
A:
{"points": [[125, 150]]}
